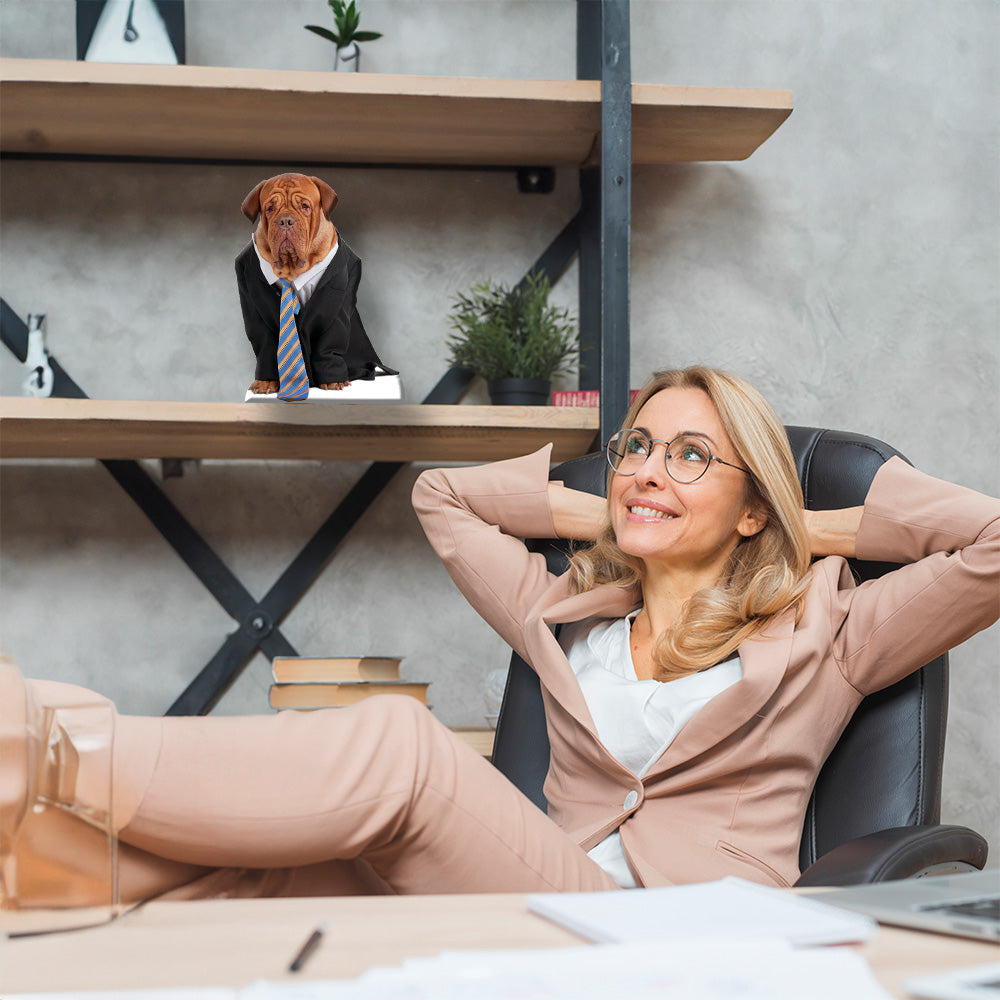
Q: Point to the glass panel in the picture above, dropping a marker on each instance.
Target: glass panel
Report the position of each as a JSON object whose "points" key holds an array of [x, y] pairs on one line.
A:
{"points": [[61, 868]]}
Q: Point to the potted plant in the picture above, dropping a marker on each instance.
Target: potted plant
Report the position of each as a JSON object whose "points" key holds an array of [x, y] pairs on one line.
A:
{"points": [[345, 18], [514, 339]]}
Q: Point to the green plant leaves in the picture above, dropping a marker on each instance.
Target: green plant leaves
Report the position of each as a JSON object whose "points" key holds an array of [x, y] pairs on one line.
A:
{"points": [[512, 332], [324, 33], [346, 18]]}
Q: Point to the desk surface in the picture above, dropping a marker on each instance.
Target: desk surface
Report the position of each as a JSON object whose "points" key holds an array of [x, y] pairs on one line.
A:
{"points": [[234, 942]]}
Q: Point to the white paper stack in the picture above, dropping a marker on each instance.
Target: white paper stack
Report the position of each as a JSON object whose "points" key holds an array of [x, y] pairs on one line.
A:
{"points": [[706, 970], [731, 908], [709, 970]]}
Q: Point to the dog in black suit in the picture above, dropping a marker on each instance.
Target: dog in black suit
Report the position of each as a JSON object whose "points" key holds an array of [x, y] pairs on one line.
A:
{"points": [[296, 240]]}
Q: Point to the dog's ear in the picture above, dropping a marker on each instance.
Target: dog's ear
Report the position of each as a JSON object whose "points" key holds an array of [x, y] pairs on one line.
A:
{"points": [[251, 203], [328, 197]]}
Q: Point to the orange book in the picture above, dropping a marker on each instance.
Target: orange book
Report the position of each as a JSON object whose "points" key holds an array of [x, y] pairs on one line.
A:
{"points": [[337, 695], [299, 669]]}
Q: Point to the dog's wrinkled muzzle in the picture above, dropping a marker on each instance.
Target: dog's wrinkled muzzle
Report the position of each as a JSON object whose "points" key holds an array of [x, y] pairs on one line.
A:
{"points": [[288, 253]]}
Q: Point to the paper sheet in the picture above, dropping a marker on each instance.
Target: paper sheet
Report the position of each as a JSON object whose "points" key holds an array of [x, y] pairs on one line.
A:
{"points": [[702, 970], [731, 908]]}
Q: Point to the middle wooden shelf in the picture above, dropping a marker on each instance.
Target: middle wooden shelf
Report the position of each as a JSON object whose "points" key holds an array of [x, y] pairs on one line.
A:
{"points": [[394, 432]]}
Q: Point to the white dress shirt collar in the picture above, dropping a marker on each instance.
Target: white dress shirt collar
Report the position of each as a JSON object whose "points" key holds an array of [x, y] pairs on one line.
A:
{"points": [[306, 282]]}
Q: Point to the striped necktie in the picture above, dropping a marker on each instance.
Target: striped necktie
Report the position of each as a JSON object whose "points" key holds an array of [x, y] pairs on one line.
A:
{"points": [[293, 384]]}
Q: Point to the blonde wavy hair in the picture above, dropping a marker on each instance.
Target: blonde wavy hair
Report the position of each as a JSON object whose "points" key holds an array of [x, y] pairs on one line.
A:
{"points": [[765, 575]]}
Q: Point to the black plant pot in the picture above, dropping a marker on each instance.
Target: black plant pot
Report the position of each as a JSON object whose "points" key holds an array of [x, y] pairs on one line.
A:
{"points": [[519, 391]]}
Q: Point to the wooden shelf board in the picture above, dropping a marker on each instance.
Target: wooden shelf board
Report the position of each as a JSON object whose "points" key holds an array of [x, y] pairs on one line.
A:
{"points": [[107, 109], [89, 428], [480, 738]]}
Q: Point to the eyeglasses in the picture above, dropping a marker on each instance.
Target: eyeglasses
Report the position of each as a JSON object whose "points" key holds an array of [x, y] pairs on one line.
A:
{"points": [[687, 457]]}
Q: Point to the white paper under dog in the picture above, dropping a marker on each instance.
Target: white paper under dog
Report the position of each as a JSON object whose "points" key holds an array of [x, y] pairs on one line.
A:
{"points": [[382, 388], [730, 908]]}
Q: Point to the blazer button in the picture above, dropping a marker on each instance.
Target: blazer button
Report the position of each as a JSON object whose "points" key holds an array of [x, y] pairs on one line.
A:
{"points": [[631, 799]]}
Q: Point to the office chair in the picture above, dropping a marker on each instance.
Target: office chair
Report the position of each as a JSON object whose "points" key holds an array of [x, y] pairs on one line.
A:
{"points": [[874, 812]]}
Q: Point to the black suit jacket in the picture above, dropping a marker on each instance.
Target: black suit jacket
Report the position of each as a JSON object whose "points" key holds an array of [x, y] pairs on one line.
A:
{"points": [[334, 343]]}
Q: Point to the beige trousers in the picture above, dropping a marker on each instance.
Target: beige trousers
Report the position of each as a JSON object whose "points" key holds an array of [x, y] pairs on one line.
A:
{"points": [[378, 797]]}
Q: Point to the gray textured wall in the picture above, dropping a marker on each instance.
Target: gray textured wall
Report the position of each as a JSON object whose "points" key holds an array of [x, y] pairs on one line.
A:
{"points": [[849, 268]]}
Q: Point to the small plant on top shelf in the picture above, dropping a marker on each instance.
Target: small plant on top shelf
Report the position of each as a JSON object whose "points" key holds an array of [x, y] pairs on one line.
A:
{"points": [[504, 333], [346, 18]]}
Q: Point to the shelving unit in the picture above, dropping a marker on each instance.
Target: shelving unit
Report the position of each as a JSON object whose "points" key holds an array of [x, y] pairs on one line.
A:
{"points": [[77, 110], [208, 113], [118, 429]]}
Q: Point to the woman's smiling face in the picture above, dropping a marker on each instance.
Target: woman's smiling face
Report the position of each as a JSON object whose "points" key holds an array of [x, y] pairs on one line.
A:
{"points": [[691, 527]]}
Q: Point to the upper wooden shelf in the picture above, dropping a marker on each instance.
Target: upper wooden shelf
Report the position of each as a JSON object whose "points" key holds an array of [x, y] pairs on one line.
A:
{"points": [[198, 112], [394, 432]]}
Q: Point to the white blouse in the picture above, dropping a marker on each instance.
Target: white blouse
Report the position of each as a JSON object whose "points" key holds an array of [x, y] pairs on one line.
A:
{"points": [[636, 720]]}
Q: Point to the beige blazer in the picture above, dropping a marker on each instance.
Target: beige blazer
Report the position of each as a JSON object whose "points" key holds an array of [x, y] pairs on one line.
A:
{"points": [[729, 794]]}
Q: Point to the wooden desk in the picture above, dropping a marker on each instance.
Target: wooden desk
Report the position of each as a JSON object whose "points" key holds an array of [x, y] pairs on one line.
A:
{"points": [[234, 942]]}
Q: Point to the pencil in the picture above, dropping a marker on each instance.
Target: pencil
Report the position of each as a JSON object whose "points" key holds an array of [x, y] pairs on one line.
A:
{"points": [[307, 949]]}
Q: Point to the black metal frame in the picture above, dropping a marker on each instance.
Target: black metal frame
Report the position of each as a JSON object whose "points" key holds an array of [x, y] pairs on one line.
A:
{"points": [[257, 620], [599, 233], [606, 205]]}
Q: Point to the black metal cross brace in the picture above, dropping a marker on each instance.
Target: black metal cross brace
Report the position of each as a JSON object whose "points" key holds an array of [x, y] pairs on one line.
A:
{"points": [[257, 620]]}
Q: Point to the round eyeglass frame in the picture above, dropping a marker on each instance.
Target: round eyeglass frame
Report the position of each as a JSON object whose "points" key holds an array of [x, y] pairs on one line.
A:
{"points": [[608, 452]]}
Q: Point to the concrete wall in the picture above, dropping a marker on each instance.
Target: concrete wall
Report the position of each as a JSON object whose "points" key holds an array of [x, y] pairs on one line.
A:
{"points": [[849, 268]]}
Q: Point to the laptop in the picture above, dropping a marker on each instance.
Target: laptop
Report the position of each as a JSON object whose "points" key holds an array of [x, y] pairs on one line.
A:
{"points": [[966, 904]]}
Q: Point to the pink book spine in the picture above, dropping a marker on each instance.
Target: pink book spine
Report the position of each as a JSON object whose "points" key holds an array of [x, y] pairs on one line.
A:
{"points": [[583, 397]]}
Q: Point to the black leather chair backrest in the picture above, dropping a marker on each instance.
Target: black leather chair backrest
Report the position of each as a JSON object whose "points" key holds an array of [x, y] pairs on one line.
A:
{"points": [[886, 769]]}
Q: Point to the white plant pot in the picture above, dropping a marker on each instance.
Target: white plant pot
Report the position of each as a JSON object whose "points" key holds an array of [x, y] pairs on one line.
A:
{"points": [[347, 59]]}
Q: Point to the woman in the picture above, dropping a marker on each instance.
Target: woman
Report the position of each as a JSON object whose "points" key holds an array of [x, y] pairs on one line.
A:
{"points": [[704, 584], [695, 670]]}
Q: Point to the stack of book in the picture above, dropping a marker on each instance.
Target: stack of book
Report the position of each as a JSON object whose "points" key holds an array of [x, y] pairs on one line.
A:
{"points": [[333, 682]]}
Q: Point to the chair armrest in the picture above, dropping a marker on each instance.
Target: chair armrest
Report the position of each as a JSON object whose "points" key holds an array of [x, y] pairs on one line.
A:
{"points": [[901, 852]]}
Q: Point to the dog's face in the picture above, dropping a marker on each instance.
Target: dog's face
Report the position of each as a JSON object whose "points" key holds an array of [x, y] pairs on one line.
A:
{"points": [[294, 232]]}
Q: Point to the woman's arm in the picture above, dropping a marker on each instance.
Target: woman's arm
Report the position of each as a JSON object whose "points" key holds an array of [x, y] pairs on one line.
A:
{"points": [[576, 514], [475, 518], [947, 539], [834, 532]]}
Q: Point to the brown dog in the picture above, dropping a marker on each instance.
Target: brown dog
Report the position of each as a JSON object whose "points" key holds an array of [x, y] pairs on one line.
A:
{"points": [[293, 234]]}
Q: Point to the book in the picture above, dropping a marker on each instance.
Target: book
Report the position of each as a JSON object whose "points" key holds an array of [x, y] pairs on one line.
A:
{"points": [[730, 908], [584, 397], [339, 694], [304, 669]]}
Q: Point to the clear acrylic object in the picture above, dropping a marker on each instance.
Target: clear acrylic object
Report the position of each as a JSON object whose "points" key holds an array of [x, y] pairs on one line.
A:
{"points": [[60, 870]]}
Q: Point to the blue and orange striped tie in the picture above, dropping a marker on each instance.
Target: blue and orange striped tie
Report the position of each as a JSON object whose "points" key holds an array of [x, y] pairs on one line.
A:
{"points": [[293, 383]]}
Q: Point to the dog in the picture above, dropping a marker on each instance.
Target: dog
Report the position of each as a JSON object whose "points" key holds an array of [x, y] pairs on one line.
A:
{"points": [[293, 237]]}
